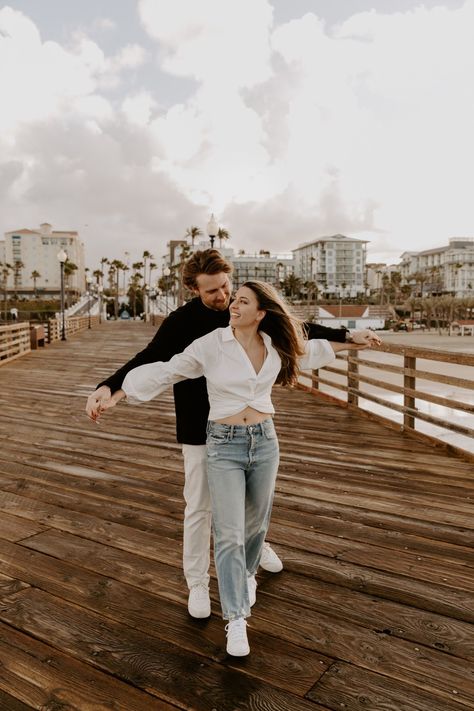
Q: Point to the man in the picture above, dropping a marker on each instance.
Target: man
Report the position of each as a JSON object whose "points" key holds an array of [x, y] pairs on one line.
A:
{"points": [[206, 274]]}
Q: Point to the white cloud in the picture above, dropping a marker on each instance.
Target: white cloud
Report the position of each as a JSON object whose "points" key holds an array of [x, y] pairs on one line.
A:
{"points": [[138, 108], [288, 132], [223, 43], [130, 57]]}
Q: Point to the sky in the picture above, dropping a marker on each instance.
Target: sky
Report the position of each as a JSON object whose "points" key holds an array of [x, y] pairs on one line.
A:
{"points": [[290, 120]]}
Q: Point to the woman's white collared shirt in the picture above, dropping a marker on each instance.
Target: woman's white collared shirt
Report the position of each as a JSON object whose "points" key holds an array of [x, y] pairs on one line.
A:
{"points": [[232, 382]]}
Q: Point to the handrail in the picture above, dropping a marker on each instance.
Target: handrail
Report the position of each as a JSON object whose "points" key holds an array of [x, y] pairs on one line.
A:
{"points": [[404, 390], [72, 324], [14, 341]]}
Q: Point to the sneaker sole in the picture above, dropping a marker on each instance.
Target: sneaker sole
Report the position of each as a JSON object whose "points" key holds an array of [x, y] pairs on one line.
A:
{"points": [[272, 569], [199, 614], [239, 654]]}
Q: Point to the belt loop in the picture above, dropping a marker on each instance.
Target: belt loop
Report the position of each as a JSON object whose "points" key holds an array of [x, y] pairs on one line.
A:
{"points": [[232, 431]]}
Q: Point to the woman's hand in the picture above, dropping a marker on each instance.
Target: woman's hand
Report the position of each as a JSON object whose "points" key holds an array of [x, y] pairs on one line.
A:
{"points": [[101, 400]]}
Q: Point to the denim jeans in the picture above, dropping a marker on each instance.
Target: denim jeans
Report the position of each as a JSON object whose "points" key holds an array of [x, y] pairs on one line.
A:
{"points": [[242, 464]]}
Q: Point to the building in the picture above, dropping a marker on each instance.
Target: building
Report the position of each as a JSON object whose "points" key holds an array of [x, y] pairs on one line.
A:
{"points": [[37, 251], [353, 316], [272, 268], [443, 270], [336, 264]]}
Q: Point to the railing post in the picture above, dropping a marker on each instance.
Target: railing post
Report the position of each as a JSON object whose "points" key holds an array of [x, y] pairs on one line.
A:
{"points": [[353, 378], [409, 381], [314, 379]]}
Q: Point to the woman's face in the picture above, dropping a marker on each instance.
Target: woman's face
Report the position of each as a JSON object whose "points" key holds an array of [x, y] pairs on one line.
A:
{"points": [[244, 309]]}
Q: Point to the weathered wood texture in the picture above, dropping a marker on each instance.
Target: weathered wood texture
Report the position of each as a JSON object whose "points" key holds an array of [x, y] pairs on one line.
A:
{"points": [[374, 609]]}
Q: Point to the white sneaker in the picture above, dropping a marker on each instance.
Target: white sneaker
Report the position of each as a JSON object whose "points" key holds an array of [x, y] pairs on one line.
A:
{"points": [[269, 560], [199, 602], [237, 642], [252, 589]]}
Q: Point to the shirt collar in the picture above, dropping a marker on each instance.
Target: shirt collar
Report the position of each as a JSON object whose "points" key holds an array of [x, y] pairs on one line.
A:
{"points": [[228, 335]]}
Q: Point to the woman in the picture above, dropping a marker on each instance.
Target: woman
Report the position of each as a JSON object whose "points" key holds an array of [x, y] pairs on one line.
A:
{"points": [[263, 344]]}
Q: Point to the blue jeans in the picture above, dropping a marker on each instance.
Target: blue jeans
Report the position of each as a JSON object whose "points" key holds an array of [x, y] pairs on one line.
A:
{"points": [[242, 464]]}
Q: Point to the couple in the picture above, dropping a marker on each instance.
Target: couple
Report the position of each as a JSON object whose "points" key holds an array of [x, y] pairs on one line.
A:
{"points": [[263, 344]]}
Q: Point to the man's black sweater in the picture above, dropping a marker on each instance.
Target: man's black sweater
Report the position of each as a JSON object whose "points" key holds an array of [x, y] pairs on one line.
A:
{"points": [[177, 331]]}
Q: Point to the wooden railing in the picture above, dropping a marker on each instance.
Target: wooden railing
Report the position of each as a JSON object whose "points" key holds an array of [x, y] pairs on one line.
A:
{"points": [[402, 387], [73, 324], [14, 341]]}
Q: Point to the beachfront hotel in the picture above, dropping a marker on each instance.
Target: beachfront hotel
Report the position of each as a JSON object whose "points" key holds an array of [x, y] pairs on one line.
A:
{"points": [[448, 269], [37, 251]]}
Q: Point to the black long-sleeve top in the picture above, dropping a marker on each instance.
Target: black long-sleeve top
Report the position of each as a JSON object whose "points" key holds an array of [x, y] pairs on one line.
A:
{"points": [[177, 331]]}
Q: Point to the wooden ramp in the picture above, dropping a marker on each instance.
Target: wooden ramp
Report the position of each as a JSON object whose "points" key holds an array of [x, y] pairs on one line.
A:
{"points": [[374, 609]]}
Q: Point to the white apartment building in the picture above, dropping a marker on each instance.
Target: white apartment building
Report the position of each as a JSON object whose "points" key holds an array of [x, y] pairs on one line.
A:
{"points": [[448, 269], [37, 250], [336, 264], [272, 268]]}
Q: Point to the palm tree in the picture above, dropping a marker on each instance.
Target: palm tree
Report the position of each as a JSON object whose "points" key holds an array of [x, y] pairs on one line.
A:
{"points": [[118, 267], [395, 281], [35, 275], [222, 234], [69, 268], [193, 232], [311, 290], [98, 275], [456, 267], [292, 285], [17, 267], [420, 278], [151, 268], [146, 255], [135, 292], [6, 269], [185, 251]]}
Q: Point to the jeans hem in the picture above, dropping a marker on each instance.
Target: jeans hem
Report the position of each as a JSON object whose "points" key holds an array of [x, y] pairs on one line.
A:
{"points": [[230, 617]]}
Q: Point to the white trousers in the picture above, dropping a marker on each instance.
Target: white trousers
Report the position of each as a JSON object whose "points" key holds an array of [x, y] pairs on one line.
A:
{"points": [[197, 515]]}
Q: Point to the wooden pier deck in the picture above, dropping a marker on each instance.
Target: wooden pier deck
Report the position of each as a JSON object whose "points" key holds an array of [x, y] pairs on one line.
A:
{"points": [[374, 609]]}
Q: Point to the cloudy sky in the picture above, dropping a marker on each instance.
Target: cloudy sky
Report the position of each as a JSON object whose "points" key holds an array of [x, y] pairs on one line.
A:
{"points": [[131, 120]]}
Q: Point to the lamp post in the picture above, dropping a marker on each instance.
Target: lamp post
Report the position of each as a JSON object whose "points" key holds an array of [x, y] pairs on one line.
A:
{"points": [[100, 289], [166, 274], [88, 286], [212, 230], [62, 256]]}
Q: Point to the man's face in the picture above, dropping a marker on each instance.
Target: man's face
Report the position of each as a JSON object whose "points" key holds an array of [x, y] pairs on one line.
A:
{"points": [[214, 290]]}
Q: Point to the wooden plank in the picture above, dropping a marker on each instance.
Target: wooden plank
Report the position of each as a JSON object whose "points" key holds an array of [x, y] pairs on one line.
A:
{"points": [[10, 586], [38, 674], [14, 528], [9, 703], [380, 615], [137, 607], [142, 659], [109, 498], [432, 597], [345, 686], [428, 669]]}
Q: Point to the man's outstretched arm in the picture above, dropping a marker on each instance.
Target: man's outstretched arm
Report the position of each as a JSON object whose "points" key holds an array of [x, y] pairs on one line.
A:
{"points": [[363, 336]]}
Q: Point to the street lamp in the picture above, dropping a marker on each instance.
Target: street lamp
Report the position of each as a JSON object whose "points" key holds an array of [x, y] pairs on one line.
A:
{"points": [[166, 273], [88, 283], [212, 230], [62, 256], [100, 289]]}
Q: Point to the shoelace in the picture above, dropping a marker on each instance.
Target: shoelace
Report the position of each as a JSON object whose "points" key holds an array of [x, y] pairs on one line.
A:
{"points": [[200, 590]]}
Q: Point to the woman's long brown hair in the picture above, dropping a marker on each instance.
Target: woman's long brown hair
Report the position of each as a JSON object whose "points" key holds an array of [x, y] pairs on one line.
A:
{"points": [[285, 330]]}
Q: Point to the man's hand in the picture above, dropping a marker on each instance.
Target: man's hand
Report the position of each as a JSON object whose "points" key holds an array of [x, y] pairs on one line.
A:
{"points": [[365, 337], [98, 401]]}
